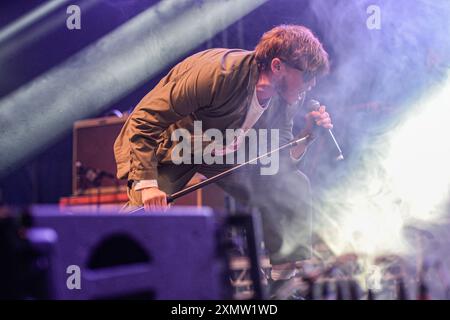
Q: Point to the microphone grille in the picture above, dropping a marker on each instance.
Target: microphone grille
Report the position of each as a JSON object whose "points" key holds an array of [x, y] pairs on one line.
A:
{"points": [[313, 105]]}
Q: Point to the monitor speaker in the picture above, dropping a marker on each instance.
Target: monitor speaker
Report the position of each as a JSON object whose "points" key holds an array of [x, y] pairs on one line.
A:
{"points": [[108, 255]]}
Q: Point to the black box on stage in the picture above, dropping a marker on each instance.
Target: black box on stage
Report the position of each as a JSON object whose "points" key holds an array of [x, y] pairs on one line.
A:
{"points": [[93, 164], [171, 255]]}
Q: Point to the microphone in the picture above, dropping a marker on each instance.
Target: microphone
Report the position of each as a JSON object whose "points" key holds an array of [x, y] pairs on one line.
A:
{"points": [[314, 105]]}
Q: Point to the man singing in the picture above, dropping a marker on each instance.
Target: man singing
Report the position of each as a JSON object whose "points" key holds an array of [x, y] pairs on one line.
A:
{"points": [[233, 89]]}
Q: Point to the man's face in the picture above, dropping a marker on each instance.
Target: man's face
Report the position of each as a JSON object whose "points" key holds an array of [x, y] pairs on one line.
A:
{"points": [[290, 82]]}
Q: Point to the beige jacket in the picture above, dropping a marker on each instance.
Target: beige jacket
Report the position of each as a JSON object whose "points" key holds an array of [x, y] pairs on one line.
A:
{"points": [[214, 86]]}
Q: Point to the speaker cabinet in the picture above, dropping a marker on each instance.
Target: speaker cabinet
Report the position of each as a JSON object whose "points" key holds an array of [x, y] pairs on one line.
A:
{"points": [[170, 255]]}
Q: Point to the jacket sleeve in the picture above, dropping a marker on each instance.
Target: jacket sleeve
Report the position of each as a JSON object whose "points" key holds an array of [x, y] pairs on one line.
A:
{"points": [[286, 132], [171, 100]]}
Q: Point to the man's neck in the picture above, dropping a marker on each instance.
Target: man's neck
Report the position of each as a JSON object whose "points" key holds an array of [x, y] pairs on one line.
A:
{"points": [[264, 88]]}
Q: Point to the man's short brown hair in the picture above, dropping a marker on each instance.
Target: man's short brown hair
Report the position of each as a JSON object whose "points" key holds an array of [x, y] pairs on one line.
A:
{"points": [[294, 44]]}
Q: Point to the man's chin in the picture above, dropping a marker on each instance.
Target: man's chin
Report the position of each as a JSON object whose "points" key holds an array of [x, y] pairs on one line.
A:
{"points": [[288, 99], [292, 101]]}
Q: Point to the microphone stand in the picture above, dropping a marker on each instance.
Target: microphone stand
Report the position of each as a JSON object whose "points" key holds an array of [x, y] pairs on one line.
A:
{"points": [[219, 176]]}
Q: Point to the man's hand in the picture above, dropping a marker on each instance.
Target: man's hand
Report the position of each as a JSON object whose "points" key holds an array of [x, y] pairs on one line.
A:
{"points": [[320, 118], [154, 199]]}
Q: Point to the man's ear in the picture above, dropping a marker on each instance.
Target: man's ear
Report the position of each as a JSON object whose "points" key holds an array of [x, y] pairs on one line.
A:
{"points": [[275, 65]]}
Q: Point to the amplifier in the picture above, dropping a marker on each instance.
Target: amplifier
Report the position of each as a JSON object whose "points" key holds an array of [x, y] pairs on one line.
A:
{"points": [[94, 168], [93, 164]]}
